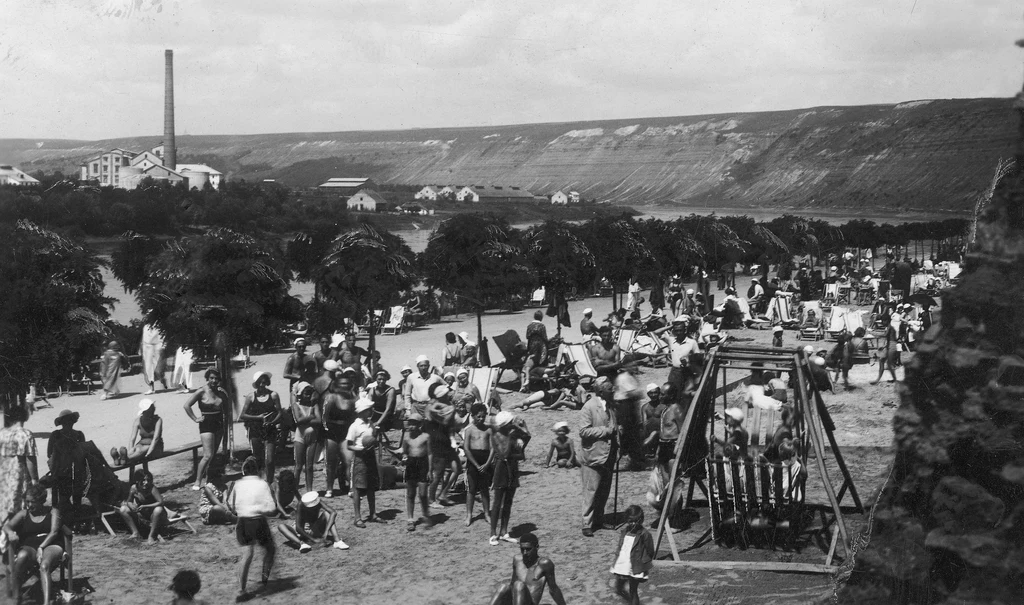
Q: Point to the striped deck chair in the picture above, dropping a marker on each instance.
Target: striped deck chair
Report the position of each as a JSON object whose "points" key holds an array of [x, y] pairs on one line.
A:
{"points": [[486, 380], [812, 330], [778, 313], [625, 339], [396, 322], [576, 355]]}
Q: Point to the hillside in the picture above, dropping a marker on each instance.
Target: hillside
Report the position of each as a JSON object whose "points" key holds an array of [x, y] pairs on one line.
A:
{"points": [[933, 156]]}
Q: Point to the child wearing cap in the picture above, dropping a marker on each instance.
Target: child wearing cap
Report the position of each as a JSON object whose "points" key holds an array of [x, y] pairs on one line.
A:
{"points": [[418, 460], [561, 448], [365, 478], [777, 336], [477, 446], [314, 520]]}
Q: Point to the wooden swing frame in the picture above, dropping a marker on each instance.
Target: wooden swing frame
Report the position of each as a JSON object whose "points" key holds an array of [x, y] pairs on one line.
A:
{"points": [[817, 426]]}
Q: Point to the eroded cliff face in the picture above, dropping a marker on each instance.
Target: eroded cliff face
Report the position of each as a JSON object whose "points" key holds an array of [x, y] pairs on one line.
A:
{"points": [[922, 155], [949, 527]]}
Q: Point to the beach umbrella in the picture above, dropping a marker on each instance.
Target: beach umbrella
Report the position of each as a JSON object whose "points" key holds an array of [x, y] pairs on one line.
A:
{"points": [[922, 299]]}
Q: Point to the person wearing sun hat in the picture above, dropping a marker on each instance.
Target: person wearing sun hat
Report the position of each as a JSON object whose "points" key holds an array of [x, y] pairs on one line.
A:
{"points": [[464, 393], [587, 326], [261, 413], [363, 474], [147, 436], [384, 396], [314, 520], [63, 449]]}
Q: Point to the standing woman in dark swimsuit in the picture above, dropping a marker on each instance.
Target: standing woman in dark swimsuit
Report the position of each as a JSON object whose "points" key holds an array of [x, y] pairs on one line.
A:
{"points": [[888, 353], [261, 413], [338, 413], [213, 403], [308, 421]]}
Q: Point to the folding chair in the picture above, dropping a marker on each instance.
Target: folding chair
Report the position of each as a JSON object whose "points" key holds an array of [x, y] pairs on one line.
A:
{"points": [[811, 331], [831, 295], [837, 323], [66, 566], [578, 358], [779, 311], [842, 294], [537, 300], [625, 340], [486, 380], [749, 319], [375, 322], [396, 322]]}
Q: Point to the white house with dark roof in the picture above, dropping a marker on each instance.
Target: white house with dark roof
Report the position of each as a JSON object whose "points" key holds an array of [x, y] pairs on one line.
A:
{"points": [[199, 175], [430, 192], [559, 198], [9, 175], [366, 200]]}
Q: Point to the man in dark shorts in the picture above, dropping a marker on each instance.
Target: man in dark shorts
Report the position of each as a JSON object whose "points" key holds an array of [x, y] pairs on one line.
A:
{"points": [[531, 573], [252, 500], [537, 348]]}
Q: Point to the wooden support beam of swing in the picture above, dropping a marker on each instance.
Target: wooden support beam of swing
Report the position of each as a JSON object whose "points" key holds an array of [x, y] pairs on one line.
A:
{"points": [[751, 566]]}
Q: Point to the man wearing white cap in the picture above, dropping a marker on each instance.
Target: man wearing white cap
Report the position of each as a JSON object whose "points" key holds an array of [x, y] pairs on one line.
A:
{"points": [[417, 389], [681, 349], [598, 452], [464, 394], [587, 327], [365, 478]]}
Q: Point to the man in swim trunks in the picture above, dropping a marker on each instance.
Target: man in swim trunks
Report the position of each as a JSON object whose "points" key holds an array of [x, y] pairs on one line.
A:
{"points": [[531, 573]]}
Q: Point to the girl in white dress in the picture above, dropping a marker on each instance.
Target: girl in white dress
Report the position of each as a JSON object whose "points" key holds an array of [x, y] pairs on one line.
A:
{"points": [[634, 557]]}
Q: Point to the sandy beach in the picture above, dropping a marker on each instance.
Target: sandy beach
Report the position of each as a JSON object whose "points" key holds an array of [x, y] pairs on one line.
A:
{"points": [[449, 563]]}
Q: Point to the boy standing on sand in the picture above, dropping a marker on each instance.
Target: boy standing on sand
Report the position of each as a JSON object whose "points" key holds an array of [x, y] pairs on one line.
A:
{"points": [[477, 446], [418, 460]]}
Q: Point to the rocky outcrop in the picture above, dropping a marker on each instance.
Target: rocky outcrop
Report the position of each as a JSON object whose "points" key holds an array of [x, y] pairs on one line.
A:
{"points": [[949, 528], [923, 155]]}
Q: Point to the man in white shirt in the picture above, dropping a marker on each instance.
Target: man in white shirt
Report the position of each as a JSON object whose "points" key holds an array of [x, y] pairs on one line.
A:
{"points": [[681, 351], [417, 388]]}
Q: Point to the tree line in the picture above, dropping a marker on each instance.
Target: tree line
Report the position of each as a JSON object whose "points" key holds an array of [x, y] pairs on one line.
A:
{"points": [[231, 286]]}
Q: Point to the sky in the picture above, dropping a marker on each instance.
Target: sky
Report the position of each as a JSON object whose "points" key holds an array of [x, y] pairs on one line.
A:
{"points": [[93, 69]]}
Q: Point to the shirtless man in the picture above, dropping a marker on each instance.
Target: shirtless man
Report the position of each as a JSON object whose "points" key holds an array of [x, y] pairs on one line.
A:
{"points": [[530, 574], [605, 354]]}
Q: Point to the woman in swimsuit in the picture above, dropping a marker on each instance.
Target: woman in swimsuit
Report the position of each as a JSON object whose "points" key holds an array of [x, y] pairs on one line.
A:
{"points": [[213, 404], [308, 421], [32, 533], [338, 414], [261, 413], [148, 428]]}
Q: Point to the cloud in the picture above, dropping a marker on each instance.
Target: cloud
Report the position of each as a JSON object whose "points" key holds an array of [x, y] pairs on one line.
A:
{"points": [[94, 68]]}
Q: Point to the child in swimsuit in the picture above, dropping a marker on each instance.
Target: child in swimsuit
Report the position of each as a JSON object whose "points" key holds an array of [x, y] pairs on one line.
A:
{"points": [[477, 446], [418, 459], [562, 448]]}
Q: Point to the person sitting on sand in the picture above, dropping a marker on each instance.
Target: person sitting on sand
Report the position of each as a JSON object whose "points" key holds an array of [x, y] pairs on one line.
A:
{"points": [[477, 447], [147, 437], [508, 442], [470, 355], [211, 507], [314, 520], [186, 585], [32, 535], [144, 500], [531, 573], [562, 448], [418, 458], [571, 395]]}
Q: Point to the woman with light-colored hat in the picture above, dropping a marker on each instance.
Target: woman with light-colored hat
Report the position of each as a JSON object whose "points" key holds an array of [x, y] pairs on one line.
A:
{"points": [[261, 413], [147, 437]]}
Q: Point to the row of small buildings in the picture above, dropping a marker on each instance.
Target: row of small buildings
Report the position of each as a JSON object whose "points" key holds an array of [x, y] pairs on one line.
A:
{"points": [[492, 193], [124, 169]]}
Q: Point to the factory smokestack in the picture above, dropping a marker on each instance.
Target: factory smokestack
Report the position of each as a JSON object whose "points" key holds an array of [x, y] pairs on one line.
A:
{"points": [[170, 150]]}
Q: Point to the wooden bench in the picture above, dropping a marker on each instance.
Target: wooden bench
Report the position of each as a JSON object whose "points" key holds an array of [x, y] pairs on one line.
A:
{"points": [[193, 447]]}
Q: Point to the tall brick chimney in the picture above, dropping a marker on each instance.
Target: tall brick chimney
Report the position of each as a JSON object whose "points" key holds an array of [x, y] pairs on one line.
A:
{"points": [[170, 149]]}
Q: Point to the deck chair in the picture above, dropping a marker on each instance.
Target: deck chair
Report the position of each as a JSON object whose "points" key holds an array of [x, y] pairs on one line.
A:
{"points": [[837, 323], [377, 320], [812, 331], [749, 319], [173, 517], [625, 339], [537, 300], [396, 322], [778, 311], [831, 295], [66, 566], [486, 380], [577, 357]]}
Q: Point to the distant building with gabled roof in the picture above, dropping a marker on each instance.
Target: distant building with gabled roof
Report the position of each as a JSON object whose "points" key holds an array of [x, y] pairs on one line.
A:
{"points": [[493, 193], [559, 198], [346, 185], [430, 192], [366, 200], [9, 175]]}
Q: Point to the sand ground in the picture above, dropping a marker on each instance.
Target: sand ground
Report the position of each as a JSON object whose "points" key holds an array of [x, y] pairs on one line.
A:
{"points": [[451, 563]]}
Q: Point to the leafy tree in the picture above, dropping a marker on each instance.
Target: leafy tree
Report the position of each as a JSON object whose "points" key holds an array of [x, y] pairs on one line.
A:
{"points": [[717, 239], [478, 258], [620, 250], [364, 270], [561, 260], [53, 315], [673, 251]]}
